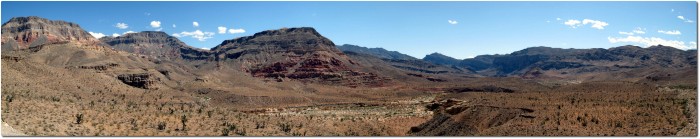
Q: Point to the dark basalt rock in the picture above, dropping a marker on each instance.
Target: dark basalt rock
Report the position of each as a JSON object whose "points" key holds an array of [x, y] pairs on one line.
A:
{"points": [[99, 68], [487, 88], [140, 80]]}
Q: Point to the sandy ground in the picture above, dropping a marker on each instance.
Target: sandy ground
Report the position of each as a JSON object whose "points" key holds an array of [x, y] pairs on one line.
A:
{"points": [[9, 131]]}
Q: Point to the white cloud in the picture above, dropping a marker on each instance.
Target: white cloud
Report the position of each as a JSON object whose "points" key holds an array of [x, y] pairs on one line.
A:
{"points": [[234, 31], [573, 23], [195, 24], [127, 32], [673, 10], [97, 35], [670, 32], [452, 22], [693, 45], [115, 34], [651, 41], [122, 25], [222, 30], [639, 30], [197, 34], [155, 24], [558, 18], [684, 19], [595, 23], [547, 21], [174, 26], [626, 33]]}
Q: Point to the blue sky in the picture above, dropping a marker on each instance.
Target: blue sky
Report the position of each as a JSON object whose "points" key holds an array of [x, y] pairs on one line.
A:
{"points": [[457, 29]]}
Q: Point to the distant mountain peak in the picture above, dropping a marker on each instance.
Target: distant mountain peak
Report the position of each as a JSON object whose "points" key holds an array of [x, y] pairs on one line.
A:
{"points": [[377, 52], [441, 59]]}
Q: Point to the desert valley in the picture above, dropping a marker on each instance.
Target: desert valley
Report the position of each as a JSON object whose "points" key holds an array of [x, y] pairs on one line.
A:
{"points": [[58, 80]]}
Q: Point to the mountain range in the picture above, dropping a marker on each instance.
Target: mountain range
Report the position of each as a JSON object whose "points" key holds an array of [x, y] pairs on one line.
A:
{"points": [[297, 71]]}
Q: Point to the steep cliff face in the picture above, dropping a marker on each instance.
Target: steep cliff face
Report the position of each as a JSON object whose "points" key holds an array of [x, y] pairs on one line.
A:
{"points": [[156, 44], [294, 53], [25, 32]]}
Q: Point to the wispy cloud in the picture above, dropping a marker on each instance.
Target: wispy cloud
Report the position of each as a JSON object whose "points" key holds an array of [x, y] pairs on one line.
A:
{"points": [[453, 22], [195, 24], [670, 32], [121, 25], [558, 19], [684, 19], [222, 30], [649, 41], [174, 26], [639, 30], [626, 33], [197, 34], [597, 24], [573, 23], [97, 35]]}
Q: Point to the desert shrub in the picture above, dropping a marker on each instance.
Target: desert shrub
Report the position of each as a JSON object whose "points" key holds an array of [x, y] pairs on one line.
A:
{"points": [[9, 98], [183, 119], [79, 118], [259, 125], [161, 125], [683, 87], [241, 132], [285, 127], [134, 126], [618, 124], [225, 132]]}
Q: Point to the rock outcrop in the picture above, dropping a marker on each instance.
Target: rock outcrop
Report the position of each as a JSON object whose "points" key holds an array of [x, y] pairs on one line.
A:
{"points": [[456, 118], [25, 32], [157, 45], [294, 53], [140, 80]]}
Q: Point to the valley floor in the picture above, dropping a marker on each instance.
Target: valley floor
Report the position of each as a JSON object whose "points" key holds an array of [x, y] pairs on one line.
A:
{"points": [[623, 111]]}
